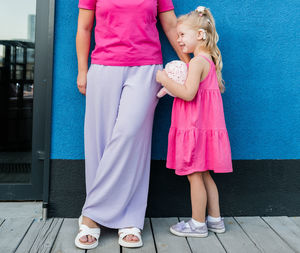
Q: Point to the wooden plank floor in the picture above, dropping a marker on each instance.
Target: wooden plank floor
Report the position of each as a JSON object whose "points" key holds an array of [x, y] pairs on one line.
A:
{"points": [[244, 234]]}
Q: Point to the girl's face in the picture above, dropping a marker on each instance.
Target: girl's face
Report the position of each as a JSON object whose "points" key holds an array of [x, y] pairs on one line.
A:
{"points": [[187, 38]]}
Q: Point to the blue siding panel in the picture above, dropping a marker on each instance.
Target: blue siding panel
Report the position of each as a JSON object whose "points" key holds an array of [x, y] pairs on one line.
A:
{"points": [[260, 45]]}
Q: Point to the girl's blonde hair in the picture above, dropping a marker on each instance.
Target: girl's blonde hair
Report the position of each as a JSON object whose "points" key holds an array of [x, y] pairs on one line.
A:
{"points": [[202, 18]]}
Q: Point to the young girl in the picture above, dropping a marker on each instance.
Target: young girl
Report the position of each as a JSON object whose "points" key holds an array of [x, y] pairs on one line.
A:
{"points": [[198, 139]]}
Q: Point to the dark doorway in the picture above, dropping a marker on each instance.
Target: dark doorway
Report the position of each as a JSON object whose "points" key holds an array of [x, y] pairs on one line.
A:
{"points": [[25, 97], [16, 84]]}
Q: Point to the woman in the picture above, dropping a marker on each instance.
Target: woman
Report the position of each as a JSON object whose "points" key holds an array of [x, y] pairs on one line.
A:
{"points": [[120, 90]]}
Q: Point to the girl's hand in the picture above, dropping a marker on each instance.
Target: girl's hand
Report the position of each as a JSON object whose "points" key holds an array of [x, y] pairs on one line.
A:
{"points": [[81, 82], [161, 76]]}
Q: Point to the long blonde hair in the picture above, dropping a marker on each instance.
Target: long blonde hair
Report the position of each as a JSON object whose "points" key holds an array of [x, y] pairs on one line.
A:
{"points": [[201, 18]]}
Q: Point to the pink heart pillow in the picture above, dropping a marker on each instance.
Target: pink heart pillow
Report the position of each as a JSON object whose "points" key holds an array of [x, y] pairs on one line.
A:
{"points": [[177, 71]]}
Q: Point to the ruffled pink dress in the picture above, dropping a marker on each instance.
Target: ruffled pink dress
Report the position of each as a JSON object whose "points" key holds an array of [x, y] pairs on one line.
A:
{"points": [[198, 139]]}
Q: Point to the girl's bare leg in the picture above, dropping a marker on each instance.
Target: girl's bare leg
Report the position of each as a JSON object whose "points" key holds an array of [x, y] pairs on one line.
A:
{"points": [[198, 196], [213, 207]]}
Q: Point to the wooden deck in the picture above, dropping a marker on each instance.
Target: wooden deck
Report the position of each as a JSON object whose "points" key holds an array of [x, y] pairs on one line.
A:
{"points": [[244, 234]]}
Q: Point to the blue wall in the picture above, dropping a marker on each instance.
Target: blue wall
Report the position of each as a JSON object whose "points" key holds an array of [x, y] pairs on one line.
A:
{"points": [[260, 45]]}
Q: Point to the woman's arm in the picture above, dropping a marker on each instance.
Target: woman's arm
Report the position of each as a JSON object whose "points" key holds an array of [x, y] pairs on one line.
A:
{"points": [[83, 39], [168, 22], [189, 89]]}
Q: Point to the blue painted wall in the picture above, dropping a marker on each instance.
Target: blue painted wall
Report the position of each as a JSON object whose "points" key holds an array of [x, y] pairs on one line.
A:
{"points": [[260, 44]]}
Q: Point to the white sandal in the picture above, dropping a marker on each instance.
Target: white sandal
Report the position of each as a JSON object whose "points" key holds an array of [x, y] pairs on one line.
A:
{"points": [[130, 231], [79, 220], [85, 230]]}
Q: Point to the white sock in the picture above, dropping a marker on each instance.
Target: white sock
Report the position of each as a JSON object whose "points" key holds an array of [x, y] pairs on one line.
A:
{"points": [[197, 223], [213, 219]]}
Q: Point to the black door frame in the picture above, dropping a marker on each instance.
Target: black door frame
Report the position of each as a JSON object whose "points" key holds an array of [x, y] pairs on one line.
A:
{"points": [[38, 188]]}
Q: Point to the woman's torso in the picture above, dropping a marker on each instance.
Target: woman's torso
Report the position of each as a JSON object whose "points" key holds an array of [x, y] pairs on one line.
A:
{"points": [[126, 33]]}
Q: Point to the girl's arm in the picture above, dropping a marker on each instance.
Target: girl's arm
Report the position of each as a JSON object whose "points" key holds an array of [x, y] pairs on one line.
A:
{"points": [[189, 89], [83, 39], [168, 22]]}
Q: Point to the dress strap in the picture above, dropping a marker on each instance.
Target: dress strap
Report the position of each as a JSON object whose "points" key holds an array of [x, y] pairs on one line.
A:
{"points": [[210, 61]]}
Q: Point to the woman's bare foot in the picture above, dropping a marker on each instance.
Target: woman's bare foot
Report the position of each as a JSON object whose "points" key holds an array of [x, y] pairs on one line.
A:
{"points": [[88, 239], [131, 238]]}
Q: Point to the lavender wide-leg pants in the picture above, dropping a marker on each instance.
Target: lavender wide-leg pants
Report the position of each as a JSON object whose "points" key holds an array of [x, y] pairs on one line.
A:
{"points": [[120, 104]]}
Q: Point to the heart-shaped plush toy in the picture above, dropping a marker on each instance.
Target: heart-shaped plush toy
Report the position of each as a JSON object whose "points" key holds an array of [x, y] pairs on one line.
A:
{"points": [[177, 71]]}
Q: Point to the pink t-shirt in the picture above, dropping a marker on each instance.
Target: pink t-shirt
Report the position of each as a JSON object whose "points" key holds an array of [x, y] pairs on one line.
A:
{"points": [[125, 32]]}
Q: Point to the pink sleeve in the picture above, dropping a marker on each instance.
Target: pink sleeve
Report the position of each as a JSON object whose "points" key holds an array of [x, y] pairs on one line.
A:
{"points": [[87, 4], [165, 5]]}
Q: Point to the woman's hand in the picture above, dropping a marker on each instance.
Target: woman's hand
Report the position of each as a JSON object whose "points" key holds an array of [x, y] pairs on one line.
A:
{"points": [[81, 82], [83, 38], [161, 76]]}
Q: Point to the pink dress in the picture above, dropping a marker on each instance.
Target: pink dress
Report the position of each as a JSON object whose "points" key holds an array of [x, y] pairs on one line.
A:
{"points": [[198, 139]]}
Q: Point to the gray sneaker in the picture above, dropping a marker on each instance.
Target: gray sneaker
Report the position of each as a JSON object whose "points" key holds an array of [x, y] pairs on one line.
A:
{"points": [[189, 229], [217, 227]]}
